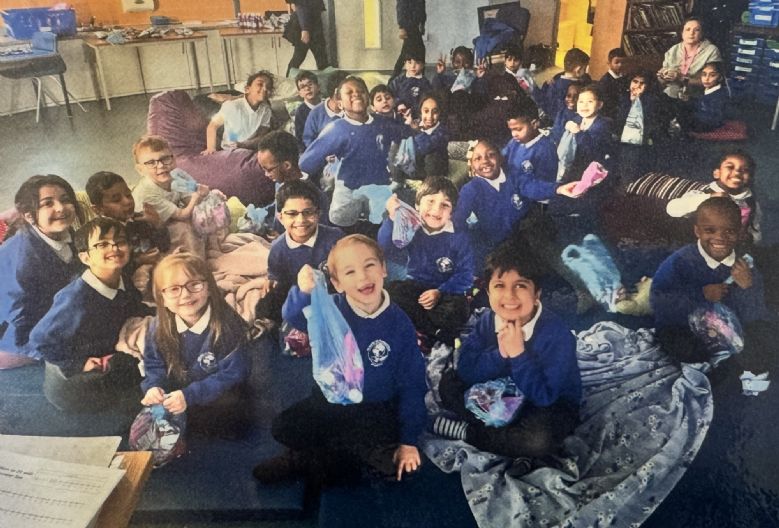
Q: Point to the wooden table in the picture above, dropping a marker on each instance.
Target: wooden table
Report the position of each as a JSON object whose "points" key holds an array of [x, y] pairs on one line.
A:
{"points": [[99, 45], [227, 35], [120, 505]]}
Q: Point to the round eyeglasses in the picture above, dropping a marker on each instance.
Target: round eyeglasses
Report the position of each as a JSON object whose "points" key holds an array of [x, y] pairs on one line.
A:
{"points": [[193, 286]]}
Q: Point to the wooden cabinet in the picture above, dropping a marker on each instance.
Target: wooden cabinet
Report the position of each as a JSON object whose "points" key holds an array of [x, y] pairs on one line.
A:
{"points": [[644, 28]]}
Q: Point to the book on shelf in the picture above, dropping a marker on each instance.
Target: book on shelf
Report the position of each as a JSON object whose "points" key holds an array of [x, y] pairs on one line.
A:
{"points": [[649, 43]]}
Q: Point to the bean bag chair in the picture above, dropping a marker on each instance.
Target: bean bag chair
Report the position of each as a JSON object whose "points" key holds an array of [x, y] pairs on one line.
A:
{"points": [[729, 131], [236, 172]]}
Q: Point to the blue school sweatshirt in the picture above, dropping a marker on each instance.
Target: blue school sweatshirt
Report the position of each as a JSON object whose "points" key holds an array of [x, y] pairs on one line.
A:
{"points": [[552, 94], [394, 367], [212, 369], [595, 143], [563, 116], [316, 121], [611, 90], [84, 323], [433, 142], [443, 260], [362, 147], [546, 372], [284, 262], [409, 90], [534, 165], [301, 116], [677, 290], [710, 110], [30, 274]]}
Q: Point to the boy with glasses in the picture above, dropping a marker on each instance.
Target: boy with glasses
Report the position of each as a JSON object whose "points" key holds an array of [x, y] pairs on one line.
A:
{"points": [[305, 241], [308, 89], [77, 336]]}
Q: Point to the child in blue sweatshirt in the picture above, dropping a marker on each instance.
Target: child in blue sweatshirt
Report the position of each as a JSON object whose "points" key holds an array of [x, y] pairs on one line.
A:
{"points": [[432, 140], [325, 112], [439, 263], [77, 336], [362, 144], [552, 94], [567, 112], [304, 241], [197, 351], [516, 338], [707, 112], [711, 271], [383, 103], [411, 85], [329, 438], [308, 89], [35, 263]]}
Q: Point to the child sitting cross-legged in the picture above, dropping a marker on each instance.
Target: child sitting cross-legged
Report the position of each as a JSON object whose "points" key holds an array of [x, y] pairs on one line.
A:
{"points": [[196, 354], [305, 241], [699, 276], [78, 335], [516, 338], [245, 119], [439, 263], [330, 439]]}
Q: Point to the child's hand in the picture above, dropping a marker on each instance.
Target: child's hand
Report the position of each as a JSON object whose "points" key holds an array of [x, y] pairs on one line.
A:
{"points": [[150, 215], [481, 68], [567, 189], [440, 66], [208, 151], [715, 292], [406, 459], [175, 403], [572, 127], [154, 396], [92, 363], [203, 190], [306, 281], [741, 274], [305, 36], [429, 299], [402, 35], [392, 205], [511, 340]]}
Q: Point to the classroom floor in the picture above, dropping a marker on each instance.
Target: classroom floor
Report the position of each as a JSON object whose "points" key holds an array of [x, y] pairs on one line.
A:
{"points": [[736, 454]]}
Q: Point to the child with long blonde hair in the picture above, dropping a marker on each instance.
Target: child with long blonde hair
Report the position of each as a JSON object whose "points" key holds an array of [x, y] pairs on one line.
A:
{"points": [[196, 353]]}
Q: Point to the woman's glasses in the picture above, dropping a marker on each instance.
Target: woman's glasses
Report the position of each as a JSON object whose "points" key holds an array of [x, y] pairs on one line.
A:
{"points": [[193, 286]]}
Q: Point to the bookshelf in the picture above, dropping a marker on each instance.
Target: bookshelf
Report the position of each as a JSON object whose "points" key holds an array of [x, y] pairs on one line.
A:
{"points": [[644, 28]]}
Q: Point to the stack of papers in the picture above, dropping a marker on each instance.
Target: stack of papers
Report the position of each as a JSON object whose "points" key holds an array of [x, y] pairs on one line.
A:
{"points": [[55, 482]]}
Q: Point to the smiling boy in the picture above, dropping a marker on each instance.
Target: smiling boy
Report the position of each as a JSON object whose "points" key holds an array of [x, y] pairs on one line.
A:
{"points": [[439, 263], [78, 334]]}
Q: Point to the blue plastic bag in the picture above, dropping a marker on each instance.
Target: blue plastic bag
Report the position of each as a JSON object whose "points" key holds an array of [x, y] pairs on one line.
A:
{"points": [[405, 225], [494, 402], [566, 152], [336, 359], [182, 182], [254, 220], [376, 196], [593, 264], [464, 80], [405, 157]]}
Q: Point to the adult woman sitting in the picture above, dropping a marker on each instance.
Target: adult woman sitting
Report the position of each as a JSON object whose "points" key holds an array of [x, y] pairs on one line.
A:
{"points": [[684, 61]]}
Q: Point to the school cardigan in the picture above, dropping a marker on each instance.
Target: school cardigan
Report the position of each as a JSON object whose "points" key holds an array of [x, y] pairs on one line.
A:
{"points": [[284, 262], [546, 372], [211, 369], [394, 367], [363, 149], [677, 290], [31, 274], [442, 260], [83, 323]]}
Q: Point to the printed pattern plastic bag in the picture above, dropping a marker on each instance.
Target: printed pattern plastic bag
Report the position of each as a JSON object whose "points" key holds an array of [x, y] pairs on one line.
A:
{"points": [[719, 328], [158, 431], [494, 402], [593, 264], [211, 215], [182, 182], [566, 152], [336, 359], [405, 225]]}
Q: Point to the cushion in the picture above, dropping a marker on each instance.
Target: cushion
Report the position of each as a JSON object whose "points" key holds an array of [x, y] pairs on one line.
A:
{"points": [[730, 131], [236, 172], [663, 186]]}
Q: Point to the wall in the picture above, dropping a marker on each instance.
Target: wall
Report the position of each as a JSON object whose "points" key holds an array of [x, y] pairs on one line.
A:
{"points": [[110, 11]]}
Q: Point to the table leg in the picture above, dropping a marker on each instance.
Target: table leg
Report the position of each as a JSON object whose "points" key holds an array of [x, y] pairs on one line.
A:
{"points": [[776, 115], [208, 64], [140, 69], [226, 62], [195, 67], [101, 78]]}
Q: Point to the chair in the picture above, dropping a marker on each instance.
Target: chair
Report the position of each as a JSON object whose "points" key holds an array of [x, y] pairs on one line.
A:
{"points": [[42, 60], [510, 13]]}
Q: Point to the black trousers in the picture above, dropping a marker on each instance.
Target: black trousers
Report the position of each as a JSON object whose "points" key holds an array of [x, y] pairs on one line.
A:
{"points": [[412, 42], [444, 320], [317, 45], [535, 433]]}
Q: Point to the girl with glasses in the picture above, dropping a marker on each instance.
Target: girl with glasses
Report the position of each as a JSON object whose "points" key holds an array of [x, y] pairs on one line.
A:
{"points": [[196, 355]]}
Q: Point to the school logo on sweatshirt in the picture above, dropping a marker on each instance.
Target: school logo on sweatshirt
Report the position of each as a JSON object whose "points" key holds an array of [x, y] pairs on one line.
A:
{"points": [[378, 352], [380, 142], [415, 91], [444, 265], [527, 166], [516, 201], [207, 361]]}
